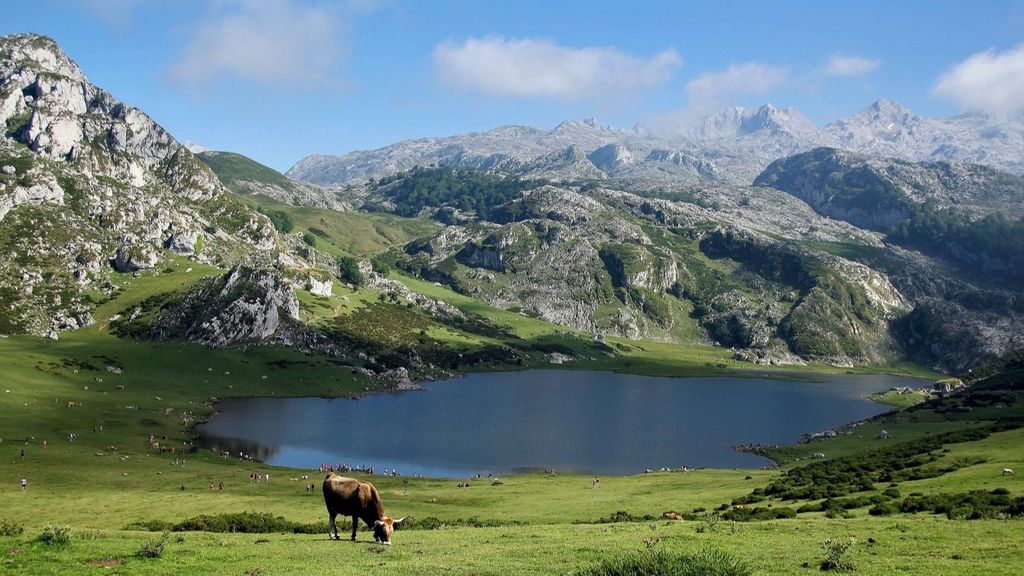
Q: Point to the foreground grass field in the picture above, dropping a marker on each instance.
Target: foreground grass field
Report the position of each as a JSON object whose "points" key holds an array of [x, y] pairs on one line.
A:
{"points": [[900, 546], [114, 393]]}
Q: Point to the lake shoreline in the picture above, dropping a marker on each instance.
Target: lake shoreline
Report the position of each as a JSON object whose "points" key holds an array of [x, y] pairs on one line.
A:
{"points": [[570, 386]]}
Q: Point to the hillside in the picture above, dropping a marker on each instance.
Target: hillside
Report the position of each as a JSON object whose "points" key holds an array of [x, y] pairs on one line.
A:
{"points": [[246, 177], [92, 189], [752, 269]]}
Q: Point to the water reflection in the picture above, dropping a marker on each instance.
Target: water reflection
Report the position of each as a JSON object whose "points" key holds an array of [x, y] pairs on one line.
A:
{"points": [[584, 421]]}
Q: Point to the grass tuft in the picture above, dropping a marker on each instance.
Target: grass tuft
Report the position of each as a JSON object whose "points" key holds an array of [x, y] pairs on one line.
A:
{"points": [[702, 563]]}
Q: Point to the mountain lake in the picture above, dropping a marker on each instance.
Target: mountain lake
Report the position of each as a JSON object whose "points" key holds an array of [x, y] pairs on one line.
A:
{"points": [[579, 421]]}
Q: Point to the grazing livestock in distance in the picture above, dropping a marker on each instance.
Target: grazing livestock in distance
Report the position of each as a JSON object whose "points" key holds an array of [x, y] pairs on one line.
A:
{"points": [[1007, 471], [360, 500]]}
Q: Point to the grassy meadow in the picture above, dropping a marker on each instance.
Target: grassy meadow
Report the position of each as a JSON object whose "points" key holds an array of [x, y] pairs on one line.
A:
{"points": [[113, 393]]}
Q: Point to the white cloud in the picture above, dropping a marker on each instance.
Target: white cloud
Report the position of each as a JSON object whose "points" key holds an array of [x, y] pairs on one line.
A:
{"points": [[713, 90], [278, 43], [540, 68], [988, 81], [840, 65]]}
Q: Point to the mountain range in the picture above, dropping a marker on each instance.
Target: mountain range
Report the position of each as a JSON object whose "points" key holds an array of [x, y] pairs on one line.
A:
{"points": [[731, 146], [867, 241]]}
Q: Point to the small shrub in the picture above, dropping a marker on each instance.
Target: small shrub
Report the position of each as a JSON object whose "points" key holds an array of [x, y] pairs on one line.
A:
{"points": [[10, 528], [835, 555], [152, 548], [884, 509], [55, 534], [150, 526], [659, 563]]}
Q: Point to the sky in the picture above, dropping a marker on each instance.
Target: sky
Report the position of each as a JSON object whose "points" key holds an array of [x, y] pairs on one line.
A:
{"points": [[278, 80]]}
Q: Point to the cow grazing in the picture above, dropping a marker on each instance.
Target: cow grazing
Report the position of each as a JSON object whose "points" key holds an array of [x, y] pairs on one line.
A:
{"points": [[361, 501], [1007, 471]]}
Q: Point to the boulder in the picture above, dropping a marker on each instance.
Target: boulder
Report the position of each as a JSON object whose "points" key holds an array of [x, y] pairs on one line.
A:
{"points": [[320, 288], [131, 258]]}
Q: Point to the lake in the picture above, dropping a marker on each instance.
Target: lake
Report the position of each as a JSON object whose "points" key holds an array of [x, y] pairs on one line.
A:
{"points": [[505, 422]]}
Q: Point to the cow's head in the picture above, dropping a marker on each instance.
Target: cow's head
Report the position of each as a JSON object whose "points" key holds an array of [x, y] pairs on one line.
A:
{"points": [[383, 528]]}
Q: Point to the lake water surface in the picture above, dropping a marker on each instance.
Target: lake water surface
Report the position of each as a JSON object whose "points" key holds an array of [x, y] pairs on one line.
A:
{"points": [[502, 422]]}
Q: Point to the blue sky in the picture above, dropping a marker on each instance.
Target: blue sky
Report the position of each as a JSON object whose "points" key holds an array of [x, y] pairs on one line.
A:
{"points": [[280, 79]]}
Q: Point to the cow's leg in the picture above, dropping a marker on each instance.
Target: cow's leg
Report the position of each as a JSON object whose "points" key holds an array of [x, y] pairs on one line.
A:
{"points": [[332, 530], [355, 525]]}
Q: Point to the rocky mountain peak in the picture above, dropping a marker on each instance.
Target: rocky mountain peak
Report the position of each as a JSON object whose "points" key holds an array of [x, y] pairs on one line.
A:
{"points": [[36, 53], [884, 114], [737, 122]]}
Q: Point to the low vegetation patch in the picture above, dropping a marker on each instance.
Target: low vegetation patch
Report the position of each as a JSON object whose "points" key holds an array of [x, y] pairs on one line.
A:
{"points": [[758, 514], [55, 534], [836, 558], [152, 548], [972, 505], [659, 563], [860, 472], [10, 528], [263, 523], [242, 522]]}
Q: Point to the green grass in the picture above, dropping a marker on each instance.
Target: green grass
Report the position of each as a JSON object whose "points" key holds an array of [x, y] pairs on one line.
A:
{"points": [[898, 400], [111, 477]]}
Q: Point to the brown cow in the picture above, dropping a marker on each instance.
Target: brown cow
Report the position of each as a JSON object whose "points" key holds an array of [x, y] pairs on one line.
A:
{"points": [[360, 500]]}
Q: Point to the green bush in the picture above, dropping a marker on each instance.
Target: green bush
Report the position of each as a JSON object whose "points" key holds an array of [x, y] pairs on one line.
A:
{"points": [[703, 563], [241, 522], [10, 528], [973, 505], [55, 534], [757, 514], [348, 271], [884, 509], [282, 221]]}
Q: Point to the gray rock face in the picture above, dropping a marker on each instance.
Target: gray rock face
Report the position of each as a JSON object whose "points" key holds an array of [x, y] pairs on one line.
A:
{"points": [[183, 242], [135, 257], [246, 305], [47, 191], [880, 193], [91, 186], [318, 287]]}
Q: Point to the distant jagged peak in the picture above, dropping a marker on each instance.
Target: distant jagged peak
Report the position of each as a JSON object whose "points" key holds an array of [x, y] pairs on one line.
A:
{"points": [[884, 113], [196, 148], [584, 124], [738, 121], [512, 131]]}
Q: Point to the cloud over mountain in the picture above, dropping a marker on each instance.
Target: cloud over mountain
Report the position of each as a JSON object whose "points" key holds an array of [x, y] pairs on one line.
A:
{"points": [[988, 81], [539, 68], [713, 90]]}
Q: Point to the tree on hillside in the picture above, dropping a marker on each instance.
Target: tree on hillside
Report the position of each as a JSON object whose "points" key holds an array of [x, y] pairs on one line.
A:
{"points": [[348, 271]]}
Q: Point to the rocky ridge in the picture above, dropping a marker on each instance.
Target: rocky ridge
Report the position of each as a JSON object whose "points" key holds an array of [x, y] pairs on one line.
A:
{"points": [[91, 188], [731, 146]]}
